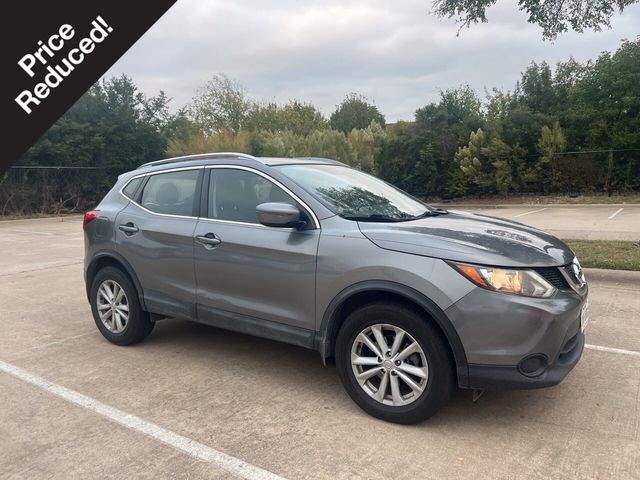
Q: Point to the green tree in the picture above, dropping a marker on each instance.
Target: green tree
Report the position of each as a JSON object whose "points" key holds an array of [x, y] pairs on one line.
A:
{"points": [[221, 104], [419, 156], [443, 127], [473, 164], [355, 111], [397, 154], [551, 142], [278, 144], [602, 112], [366, 145], [488, 165], [329, 144], [511, 120], [179, 127], [536, 90], [566, 76], [553, 16], [298, 117], [113, 127], [320, 143], [455, 145]]}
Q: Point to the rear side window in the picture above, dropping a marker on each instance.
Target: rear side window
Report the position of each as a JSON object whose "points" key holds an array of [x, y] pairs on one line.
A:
{"points": [[131, 187], [171, 193]]}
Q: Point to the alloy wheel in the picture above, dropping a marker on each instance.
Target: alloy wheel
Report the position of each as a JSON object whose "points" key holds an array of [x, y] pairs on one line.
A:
{"points": [[113, 306], [389, 364]]}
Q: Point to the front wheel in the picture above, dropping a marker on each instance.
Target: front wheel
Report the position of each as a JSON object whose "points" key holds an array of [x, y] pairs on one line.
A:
{"points": [[393, 363]]}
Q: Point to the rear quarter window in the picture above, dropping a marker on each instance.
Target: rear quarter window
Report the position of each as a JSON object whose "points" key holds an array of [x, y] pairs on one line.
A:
{"points": [[130, 189]]}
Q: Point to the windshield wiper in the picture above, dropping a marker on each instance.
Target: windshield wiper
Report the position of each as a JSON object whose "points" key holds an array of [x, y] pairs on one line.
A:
{"points": [[374, 217], [377, 217], [431, 212]]}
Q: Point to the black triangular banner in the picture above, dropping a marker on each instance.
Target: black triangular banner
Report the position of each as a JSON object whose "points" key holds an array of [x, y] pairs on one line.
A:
{"points": [[53, 52]]}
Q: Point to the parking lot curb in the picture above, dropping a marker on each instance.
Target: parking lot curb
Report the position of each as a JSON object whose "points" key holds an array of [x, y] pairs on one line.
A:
{"points": [[628, 277]]}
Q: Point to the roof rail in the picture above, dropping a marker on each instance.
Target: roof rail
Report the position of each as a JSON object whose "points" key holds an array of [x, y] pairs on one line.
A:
{"points": [[328, 160], [187, 158]]}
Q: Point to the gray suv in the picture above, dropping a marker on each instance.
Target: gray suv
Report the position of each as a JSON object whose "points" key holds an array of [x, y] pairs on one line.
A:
{"points": [[408, 300]]}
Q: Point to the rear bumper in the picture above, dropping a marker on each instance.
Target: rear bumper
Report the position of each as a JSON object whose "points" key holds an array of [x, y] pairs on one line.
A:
{"points": [[502, 377]]}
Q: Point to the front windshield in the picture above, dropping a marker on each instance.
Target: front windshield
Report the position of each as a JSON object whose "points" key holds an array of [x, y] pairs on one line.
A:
{"points": [[353, 194]]}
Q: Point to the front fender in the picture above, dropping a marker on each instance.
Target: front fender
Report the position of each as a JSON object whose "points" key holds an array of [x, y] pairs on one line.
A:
{"points": [[325, 339]]}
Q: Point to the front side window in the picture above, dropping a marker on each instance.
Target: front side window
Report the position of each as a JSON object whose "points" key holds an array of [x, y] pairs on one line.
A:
{"points": [[171, 193], [355, 195], [234, 195]]}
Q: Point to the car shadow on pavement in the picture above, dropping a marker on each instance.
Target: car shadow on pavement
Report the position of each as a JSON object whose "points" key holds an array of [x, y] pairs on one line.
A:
{"points": [[295, 369]]}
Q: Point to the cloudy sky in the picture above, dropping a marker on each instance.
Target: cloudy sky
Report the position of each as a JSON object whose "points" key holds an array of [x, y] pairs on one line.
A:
{"points": [[392, 51]]}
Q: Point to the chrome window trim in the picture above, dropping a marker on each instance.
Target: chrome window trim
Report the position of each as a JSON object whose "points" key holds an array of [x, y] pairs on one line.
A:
{"points": [[308, 210], [244, 224]]}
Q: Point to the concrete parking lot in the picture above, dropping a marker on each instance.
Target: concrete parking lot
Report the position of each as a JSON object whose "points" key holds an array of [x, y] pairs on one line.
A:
{"points": [[198, 402], [582, 222]]}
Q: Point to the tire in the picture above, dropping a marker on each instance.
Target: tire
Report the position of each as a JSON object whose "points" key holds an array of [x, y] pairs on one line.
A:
{"points": [[137, 326], [405, 405]]}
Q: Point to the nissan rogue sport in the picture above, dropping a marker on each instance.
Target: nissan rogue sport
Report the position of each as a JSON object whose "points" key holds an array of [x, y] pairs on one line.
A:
{"points": [[408, 300]]}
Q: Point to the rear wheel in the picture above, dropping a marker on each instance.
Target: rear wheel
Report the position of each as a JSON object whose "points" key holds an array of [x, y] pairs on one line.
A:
{"points": [[393, 363], [116, 308]]}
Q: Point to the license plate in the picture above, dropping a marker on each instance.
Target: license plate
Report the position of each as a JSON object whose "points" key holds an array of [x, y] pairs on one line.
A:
{"points": [[584, 315]]}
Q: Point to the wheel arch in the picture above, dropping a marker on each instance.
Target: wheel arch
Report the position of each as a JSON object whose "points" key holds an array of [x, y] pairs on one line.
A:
{"points": [[110, 258], [365, 292]]}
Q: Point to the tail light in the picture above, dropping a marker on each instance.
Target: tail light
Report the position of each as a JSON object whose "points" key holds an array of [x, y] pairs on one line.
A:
{"points": [[88, 218]]}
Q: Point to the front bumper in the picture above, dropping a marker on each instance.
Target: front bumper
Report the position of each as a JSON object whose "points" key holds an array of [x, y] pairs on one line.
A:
{"points": [[494, 377], [500, 333]]}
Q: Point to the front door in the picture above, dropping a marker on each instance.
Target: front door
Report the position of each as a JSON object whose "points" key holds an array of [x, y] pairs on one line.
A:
{"points": [[246, 272]]}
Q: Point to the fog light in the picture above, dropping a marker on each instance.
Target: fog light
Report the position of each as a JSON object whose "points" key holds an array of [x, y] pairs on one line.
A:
{"points": [[533, 365]]}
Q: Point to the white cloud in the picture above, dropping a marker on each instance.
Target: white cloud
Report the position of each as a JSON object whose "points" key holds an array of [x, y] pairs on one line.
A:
{"points": [[394, 52]]}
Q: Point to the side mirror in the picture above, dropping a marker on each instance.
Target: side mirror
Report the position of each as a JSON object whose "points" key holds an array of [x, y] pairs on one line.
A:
{"points": [[278, 214]]}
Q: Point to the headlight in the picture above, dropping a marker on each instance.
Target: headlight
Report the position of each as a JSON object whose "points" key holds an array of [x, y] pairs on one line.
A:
{"points": [[517, 282]]}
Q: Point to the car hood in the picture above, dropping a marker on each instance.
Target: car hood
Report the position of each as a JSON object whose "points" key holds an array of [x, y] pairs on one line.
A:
{"points": [[472, 238]]}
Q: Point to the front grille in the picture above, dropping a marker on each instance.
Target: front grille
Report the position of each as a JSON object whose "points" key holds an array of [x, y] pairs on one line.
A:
{"points": [[554, 277], [570, 274]]}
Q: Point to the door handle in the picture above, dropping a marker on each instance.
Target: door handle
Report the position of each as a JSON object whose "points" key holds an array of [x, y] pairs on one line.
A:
{"points": [[128, 228], [208, 240]]}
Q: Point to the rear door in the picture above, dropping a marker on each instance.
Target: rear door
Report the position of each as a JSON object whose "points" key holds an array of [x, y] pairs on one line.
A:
{"points": [[250, 272], [155, 235]]}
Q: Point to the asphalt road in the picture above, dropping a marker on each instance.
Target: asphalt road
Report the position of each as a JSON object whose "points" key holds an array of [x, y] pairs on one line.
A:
{"points": [[577, 222], [197, 402]]}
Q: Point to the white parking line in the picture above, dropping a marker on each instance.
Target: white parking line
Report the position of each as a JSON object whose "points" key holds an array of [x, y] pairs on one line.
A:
{"points": [[528, 213], [613, 215], [621, 351], [195, 449]]}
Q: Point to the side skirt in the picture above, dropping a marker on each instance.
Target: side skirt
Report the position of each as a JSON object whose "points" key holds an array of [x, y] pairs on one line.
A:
{"points": [[257, 327]]}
